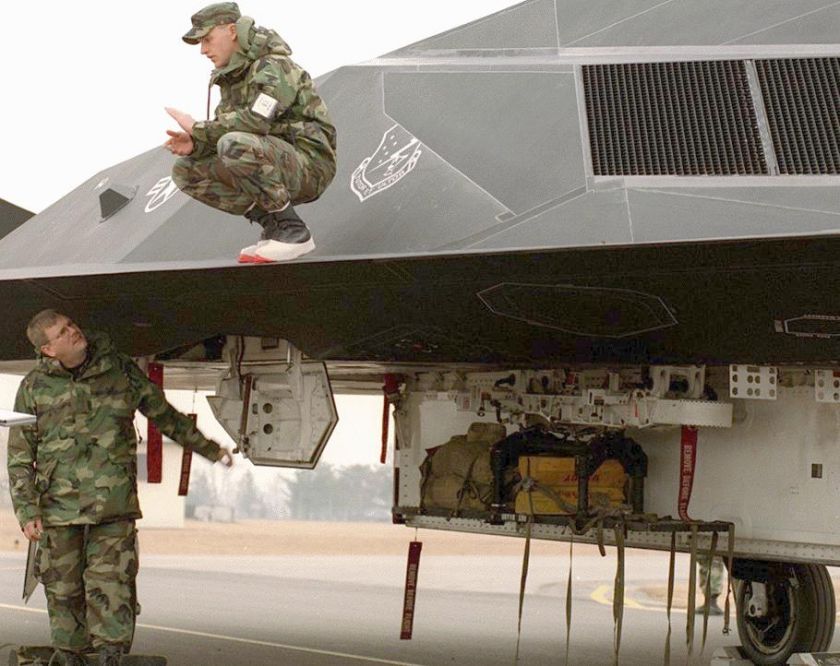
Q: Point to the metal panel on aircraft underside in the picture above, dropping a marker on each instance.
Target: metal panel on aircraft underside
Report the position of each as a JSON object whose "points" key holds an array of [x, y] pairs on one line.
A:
{"points": [[464, 169], [714, 302]]}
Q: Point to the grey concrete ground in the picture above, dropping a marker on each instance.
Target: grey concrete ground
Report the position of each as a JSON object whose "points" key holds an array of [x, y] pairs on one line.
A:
{"points": [[343, 610]]}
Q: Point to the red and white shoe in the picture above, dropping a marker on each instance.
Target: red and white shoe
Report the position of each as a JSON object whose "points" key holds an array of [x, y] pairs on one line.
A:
{"points": [[271, 251], [247, 255], [284, 237]]}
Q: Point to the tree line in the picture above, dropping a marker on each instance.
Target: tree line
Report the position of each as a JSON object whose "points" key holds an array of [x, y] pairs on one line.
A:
{"points": [[327, 493]]}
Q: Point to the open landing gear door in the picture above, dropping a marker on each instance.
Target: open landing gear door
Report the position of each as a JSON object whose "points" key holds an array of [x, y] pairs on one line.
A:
{"points": [[279, 408]]}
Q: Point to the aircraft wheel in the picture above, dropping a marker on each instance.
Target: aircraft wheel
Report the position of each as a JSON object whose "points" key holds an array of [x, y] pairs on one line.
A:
{"points": [[799, 615]]}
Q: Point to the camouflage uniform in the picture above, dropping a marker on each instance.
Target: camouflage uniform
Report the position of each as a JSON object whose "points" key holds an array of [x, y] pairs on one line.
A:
{"points": [[76, 468], [271, 141], [716, 572]]}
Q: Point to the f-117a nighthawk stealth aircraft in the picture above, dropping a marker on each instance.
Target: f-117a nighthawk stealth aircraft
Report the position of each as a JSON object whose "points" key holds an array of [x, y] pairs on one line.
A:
{"points": [[570, 231]]}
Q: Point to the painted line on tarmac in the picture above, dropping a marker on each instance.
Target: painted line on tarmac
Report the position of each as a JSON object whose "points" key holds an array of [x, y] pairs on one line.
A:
{"points": [[603, 595], [23, 608], [283, 646], [236, 639]]}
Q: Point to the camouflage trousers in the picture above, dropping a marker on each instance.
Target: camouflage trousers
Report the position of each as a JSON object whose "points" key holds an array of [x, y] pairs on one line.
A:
{"points": [[88, 573], [713, 573], [248, 170]]}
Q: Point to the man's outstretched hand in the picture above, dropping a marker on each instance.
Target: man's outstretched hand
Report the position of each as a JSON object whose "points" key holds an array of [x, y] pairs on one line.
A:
{"points": [[185, 120], [180, 143], [225, 457]]}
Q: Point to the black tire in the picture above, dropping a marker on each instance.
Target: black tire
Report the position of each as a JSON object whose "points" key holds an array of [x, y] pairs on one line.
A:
{"points": [[800, 615]]}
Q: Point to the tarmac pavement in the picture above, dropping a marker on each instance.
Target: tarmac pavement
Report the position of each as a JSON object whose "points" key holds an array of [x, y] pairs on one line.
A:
{"points": [[347, 610]]}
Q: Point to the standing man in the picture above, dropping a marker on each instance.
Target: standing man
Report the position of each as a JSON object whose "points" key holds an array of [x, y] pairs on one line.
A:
{"points": [[271, 143], [73, 480], [711, 574]]}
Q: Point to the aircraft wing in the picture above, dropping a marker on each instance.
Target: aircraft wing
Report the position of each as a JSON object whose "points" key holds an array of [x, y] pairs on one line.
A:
{"points": [[560, 180], [715, 301], [11, 217]]}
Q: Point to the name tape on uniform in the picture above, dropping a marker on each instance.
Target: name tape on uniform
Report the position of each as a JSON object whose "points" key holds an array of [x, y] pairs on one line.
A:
{"points": [[264, 106]]}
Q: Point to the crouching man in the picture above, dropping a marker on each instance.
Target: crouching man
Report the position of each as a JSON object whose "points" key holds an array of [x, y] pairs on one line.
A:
{"points": [[271, 144]]}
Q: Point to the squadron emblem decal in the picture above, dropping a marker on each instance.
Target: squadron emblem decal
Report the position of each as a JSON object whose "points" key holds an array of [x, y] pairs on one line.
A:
{"points": [[394, 159], [160, 193]]}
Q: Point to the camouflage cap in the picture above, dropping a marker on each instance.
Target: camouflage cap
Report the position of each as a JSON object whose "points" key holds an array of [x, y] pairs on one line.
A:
{"points": [[204, 20]]}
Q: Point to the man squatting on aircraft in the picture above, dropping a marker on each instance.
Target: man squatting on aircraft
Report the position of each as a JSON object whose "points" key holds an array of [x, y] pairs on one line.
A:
{"points": [[271, 143], [73, 481]]}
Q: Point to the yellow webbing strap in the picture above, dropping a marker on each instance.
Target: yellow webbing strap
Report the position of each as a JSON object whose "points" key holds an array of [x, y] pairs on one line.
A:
{"points": [[590, 524], [522, 580], [707, 590], [692, 593], [524, 577], [466, 487], [425, 475], [569, 596], [618, 592], [730, 557], [672, 561], [600, 535], [553, 496]]}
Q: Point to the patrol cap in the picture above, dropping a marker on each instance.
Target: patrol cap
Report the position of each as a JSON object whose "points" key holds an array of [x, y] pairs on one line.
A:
{"points": [[204, 20]]}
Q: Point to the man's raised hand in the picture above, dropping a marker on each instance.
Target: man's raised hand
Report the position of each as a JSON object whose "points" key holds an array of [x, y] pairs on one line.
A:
{"points": [[179, 143], [185, 120]]}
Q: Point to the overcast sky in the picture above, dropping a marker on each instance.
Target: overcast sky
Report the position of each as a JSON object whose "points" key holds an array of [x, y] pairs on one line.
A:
{"points": [[85, 84]]}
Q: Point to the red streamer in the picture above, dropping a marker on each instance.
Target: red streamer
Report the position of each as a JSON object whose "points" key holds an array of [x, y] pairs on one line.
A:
{"points": [[391, 389], [688, 459], [412, 568], [154, 440]]}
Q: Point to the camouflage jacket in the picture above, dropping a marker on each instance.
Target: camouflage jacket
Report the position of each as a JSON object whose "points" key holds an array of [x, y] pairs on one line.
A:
{"points": [[261, 73], [78, 464]]}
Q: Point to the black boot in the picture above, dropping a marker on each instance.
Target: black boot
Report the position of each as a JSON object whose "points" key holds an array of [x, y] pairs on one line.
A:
{"points": [[285, 236], [262, 218], [110, 655], [714, 609], [67, 658], [255, 215], [285, 230]]}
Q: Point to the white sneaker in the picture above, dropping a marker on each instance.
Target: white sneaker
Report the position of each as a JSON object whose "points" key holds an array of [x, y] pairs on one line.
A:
{"points": [[247, 255], [271, 250], [284, 237]]}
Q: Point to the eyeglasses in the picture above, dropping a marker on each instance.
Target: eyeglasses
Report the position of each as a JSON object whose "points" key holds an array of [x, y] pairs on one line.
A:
{"points": [[68, 328]]}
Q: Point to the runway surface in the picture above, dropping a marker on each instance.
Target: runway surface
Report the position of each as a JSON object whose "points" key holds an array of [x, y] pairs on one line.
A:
{"points": [[346, 610]]}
